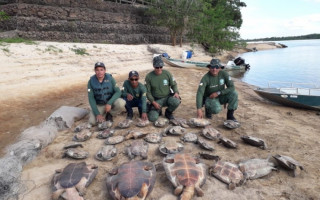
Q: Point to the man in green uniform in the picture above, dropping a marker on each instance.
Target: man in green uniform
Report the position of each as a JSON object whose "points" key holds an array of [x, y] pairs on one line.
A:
{"points": [[134, 93], [216, 88], [103, 94], [159, 84]]}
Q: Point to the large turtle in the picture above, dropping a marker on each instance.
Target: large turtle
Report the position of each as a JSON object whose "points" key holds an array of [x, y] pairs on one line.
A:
{"points": [[289, 164], [186, 173], [134, 180], [256, 168], [254, 141], [71, 182]]}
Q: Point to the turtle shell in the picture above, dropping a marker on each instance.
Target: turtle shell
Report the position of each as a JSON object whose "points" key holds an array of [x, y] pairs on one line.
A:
{"points": [[227, 142], [153, 138], [107, 152], [125, 123], [179, 122], [130, 178], [75, 153], [287, 162], [142, 123], [197, 122], [256, 168], [254, 141], [189, 137], [211, 133], [205, 145], [105, 133], [114, 139], [231, 124]]}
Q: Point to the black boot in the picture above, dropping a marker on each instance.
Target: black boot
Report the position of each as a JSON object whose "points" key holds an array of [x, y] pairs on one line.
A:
{"points": [[109, 117], [129, 115], [169, 115], [230, 115], [160, 112], [208, 114]]}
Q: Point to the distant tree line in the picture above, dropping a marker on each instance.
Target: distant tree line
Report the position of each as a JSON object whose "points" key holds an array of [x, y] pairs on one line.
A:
{"points": [[302, 37]]}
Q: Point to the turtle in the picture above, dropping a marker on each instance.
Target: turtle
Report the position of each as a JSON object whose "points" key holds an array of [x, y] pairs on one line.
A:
{"points": [[73, 145], [228, 173], [228, 143], [161, 122], [179, 122], [106, 133], [131, 180], [107, 152], [134, 134], [82, 136], [208, 156], [81, 126], [198, 122], [205, 145], [125, 123], [211, 133], [254, 141], [137, 148], [166, 130], [104, 125], [186, 173], [71, 182], [256, 168], [142, 123], [176, 130], [114, 139], [289, 164], [75, 153], [171, 147], [153, 138], [231, 124], [189, 137]]}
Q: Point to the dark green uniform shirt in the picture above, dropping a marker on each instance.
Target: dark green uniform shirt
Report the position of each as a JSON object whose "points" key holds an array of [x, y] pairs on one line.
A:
{"points": [[137, 93], [210, 84], [92, 101], [158, 86]]}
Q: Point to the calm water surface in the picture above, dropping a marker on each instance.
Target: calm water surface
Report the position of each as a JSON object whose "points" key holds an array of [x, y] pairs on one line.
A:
{"points": [[297, 63]]}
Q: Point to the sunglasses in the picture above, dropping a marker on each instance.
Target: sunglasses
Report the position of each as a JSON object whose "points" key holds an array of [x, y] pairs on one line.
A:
{"points": [[215, 67], [158, 67], [134, 79]]}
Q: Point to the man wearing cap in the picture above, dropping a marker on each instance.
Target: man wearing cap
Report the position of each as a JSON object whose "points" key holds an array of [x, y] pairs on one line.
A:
{"points": [[103, 94], [162, 91], [216, 88], [134, 93]]}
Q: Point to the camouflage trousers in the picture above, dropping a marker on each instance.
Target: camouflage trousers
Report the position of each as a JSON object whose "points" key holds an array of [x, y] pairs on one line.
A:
{"points": [[117, 107], [171, 102], [213, 106]]}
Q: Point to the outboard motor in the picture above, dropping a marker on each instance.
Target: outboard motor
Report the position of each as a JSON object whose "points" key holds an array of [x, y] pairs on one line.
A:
{"points": [[239, 61]]}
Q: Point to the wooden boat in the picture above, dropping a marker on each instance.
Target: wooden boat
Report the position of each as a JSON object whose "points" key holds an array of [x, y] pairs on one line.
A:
{"points": [[297, 97], [195, 64]]}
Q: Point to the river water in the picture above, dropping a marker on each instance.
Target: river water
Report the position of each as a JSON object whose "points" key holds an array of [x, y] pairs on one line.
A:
{"points": [[298, 63]]}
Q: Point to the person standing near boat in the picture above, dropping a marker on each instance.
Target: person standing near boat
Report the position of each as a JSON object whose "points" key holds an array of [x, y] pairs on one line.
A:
{"points": [[216, 88], [104, 96], [162, 91], [134, 93]]}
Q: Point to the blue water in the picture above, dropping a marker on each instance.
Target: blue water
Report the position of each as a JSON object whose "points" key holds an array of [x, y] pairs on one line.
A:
{"points": [[299, 62]]}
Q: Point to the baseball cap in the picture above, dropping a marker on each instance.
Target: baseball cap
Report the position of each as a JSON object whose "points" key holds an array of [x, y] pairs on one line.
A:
{"points": [[214, 63], [157, 62], [133, 73], [99, 64]]}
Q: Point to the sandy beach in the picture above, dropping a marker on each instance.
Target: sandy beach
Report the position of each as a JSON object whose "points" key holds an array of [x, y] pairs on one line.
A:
{"points": [[37, 79]]}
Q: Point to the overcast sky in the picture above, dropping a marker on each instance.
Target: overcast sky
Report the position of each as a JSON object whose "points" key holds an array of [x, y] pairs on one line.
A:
{"points": [[277, 18]]}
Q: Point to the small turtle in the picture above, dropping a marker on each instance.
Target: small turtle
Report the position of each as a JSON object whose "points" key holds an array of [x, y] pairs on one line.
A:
{"points": [[228, 143], [166, 130], [106, 153], [153, 138], [81, 126], [197, 122], [161, 122], [137, 148], [176, 130], [71, 182], [75, 153], [104, 125], [186, 173], [256, 168], [179, 122], [82, 136], [189, 137], [114, 139], [125, 123], [132, 180], [142, 123], [205, 145], [289, 164], [228, 173], [231, 124], [211, 133], [106, 133], [208, 156], [73, 145], [135, 135], [171, 147], [254, 141]]}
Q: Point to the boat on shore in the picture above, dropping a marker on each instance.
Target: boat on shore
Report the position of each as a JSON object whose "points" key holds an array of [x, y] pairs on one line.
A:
{"points": [[292, 96]]}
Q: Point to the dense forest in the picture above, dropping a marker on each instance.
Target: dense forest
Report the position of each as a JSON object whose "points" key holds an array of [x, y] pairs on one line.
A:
{"points": [[302, 37]]}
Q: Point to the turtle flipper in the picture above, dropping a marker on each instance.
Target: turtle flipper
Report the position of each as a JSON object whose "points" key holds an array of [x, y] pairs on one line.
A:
{"points": [[199, 191], [178, 190], [143, 192], [231, 186], [56, 194], [188, 192]]}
